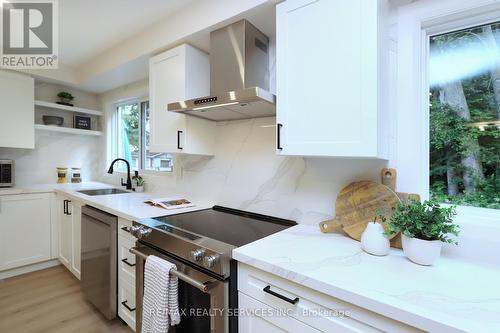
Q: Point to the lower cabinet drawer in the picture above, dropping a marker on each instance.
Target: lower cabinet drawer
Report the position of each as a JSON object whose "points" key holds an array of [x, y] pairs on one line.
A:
{"points": [[126, 260], [255, 316], [323, 312], [126, 302]]}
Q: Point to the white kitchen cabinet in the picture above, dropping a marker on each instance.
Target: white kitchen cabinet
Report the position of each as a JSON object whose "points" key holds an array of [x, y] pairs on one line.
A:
{"points": [[70, 231], [25, 229], [267, 319], [330, 65], [175, 75], [126, 273], [126, 303], [17, 110], [290, 307]]}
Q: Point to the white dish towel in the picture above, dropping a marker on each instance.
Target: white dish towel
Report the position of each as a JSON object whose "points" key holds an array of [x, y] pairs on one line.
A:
{"points": [[160, 304]]}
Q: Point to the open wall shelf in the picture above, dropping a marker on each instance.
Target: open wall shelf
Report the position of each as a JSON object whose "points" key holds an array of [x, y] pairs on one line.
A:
{"points": [[68, 108], [68, 130]]}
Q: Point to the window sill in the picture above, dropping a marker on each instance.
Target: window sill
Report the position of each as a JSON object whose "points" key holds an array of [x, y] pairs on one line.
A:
{"points": [[477, 216]]}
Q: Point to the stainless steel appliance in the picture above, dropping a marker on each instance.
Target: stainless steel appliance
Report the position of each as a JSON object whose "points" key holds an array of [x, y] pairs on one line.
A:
{"points": [[199, 243], [6, 173], [99, 255], [239, 77]]}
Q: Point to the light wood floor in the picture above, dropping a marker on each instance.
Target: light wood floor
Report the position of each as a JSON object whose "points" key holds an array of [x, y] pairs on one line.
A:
{"points": [[49, 301]]}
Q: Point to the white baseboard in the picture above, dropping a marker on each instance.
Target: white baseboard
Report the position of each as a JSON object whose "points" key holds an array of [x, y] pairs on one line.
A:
{"points": [[28, 269]]}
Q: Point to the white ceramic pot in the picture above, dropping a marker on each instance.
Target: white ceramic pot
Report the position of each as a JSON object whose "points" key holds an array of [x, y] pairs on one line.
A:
{"points": [[422, 252], [373, 240], [139, 188]]}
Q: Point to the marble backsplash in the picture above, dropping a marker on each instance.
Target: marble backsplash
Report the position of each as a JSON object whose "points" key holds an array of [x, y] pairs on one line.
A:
{"points": [[246, 173], [52, 150]]}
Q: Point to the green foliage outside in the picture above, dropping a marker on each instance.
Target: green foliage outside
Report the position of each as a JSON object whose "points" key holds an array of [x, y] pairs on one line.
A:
{"points": [[130, 118], [450, 133], [423, 220]]}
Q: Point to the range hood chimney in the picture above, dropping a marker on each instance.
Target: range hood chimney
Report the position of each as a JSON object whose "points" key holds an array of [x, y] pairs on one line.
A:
{"points": [[239, 77]]}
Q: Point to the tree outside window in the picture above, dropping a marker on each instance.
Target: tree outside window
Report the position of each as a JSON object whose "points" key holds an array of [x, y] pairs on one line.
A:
{"points": [[133, 135], [464, 116]]}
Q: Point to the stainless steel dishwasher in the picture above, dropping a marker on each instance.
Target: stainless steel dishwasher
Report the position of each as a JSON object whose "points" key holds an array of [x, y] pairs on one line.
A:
{"points": [[99, 267]]}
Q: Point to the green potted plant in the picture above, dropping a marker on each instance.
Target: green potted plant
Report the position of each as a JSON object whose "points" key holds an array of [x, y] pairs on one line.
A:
{"points": [[65, 98], [139, 183], [424, 226]]}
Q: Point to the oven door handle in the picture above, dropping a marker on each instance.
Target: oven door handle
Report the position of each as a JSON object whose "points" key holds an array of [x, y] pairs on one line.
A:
{"points": [[204, 287]]}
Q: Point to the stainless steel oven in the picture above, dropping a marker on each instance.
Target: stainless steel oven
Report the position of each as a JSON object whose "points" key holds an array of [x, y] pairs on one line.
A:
{"points": [[203, 297], [200, 244]]}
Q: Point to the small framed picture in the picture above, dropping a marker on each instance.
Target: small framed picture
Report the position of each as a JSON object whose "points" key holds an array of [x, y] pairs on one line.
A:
{"points": [[82, 122]]}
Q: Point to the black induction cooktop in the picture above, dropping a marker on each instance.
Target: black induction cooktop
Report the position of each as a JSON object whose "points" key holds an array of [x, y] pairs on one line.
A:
{"points": [[231, 226]]}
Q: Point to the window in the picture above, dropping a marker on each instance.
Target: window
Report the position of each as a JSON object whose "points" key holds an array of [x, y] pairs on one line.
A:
{"points": [[464, 77], [132, 133]]}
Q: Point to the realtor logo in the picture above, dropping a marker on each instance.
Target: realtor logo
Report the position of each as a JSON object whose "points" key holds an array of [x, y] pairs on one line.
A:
{"points": [[29, 34]]}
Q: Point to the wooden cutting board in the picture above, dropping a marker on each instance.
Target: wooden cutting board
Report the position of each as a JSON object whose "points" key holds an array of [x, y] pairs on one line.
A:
{"points": [[357, 204]]}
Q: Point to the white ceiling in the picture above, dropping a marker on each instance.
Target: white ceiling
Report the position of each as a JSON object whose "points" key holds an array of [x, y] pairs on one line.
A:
{"points": [[90, 27], [262, 17], [87, 28]]}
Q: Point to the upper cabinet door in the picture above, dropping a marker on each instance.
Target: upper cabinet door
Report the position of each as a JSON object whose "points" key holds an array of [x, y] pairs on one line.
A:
{"points": [[176, 75], [327, 78], [17, 110]]}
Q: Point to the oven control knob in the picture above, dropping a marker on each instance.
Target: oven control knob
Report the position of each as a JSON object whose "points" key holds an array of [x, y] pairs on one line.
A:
{"points": [[210, 261], [197, 255], [144, 232], [134, 230]]}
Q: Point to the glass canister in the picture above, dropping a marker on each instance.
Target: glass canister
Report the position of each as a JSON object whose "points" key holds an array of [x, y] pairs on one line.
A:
{"points": [[61, 175], [76, 175]]}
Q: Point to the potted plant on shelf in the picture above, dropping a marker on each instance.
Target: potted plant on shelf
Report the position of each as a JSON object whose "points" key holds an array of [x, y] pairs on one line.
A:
{"points": [[424, 226], [65, 98]]}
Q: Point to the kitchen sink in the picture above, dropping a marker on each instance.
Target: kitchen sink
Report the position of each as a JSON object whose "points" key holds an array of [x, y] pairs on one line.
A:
{"points": [[102, 191]]}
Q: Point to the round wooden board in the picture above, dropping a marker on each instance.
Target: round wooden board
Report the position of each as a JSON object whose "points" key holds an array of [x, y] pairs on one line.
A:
{"points": [[357, 204]]}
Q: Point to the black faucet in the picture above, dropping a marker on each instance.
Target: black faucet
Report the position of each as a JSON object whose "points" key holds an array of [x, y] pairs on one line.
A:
{"points": [[128, 184]]}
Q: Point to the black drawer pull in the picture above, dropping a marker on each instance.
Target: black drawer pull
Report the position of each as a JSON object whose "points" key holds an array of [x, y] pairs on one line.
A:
{"points": [[66, 207], [286, 299], [278, 136], [125, 261], [179, 133], [124, 303], [125, 229]]}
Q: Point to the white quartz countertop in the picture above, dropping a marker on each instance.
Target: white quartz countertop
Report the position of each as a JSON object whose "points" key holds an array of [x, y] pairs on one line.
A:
{"points": [[129, 205], [452, 296]]}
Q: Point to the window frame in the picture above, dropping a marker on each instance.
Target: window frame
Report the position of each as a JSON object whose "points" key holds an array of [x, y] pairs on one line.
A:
{"points": [[417, 22], [113, 138]]}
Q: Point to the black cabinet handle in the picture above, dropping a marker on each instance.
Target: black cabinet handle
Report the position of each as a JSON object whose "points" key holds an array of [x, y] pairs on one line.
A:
{"points": [[124, 303], [67, 207], [179, 133], [275, 294], [125, 261], [125, 229], [278, 136]]}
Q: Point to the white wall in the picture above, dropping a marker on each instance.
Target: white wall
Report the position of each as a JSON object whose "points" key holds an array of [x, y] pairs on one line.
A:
{"points": [[35, 166]]}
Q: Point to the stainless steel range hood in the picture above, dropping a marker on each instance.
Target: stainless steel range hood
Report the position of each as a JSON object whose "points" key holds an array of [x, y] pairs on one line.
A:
{"points": [[239, 77]]}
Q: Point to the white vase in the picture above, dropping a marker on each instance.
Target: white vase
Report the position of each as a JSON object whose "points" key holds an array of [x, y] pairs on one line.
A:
{"points": [[373, 240], [422, 252], [139, 189]]}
